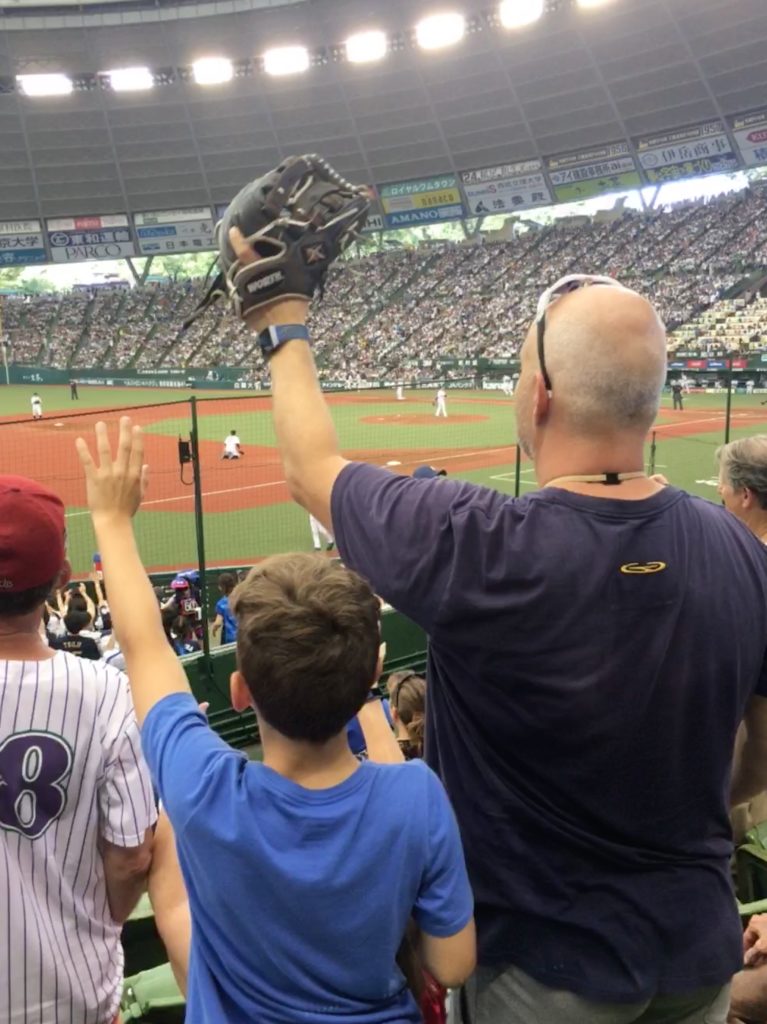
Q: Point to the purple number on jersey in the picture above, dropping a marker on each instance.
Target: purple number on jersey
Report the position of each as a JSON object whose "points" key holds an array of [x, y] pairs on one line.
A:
{"points": [[34, 770]]}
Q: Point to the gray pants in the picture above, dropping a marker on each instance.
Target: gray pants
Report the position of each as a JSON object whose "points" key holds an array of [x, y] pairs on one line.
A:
{"points": [[498, 996]]}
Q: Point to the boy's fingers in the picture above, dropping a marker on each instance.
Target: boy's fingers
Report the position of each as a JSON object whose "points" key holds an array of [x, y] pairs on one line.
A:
{"points": [[86, 458], [124, 440], [136, 459], [102, 445], [144, 479]]}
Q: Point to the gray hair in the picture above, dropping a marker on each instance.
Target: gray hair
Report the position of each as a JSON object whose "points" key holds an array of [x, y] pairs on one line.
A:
{"points": [[743, 464]]}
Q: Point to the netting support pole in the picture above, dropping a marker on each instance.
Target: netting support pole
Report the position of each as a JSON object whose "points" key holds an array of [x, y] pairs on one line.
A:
{"points": [[728, 411], [200, 536], [653, 449], [517, 471]]}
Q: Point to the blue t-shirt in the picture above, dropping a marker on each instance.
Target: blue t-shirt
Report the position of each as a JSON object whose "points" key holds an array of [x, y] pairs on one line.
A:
{"points": [[300, 897], [229, 627], [590, 661]]}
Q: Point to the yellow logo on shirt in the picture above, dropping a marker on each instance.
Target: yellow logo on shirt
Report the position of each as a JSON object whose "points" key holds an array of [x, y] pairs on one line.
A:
{"points": [[642, 568]]}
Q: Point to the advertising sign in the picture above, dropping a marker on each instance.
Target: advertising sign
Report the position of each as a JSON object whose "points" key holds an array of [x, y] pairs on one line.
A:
{"points": [[428, 201], [505, 188], [21, 243], [593, 172], [701, 149], [750, 131], [171, 231], [75, 239]]}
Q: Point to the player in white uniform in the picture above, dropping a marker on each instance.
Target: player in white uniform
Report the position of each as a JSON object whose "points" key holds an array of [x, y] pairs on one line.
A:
{"points": [[441, 403], [232, 447], [37, 406], [76, 802], [507, 386], [400, 393], [320, 535]]}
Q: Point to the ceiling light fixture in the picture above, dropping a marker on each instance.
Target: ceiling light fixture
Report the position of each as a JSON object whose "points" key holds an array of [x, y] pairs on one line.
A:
{"points": [[212, 70], [130, 79], [364, 47], [440, 30], [518, 13], [45, 85], [286, 60]]}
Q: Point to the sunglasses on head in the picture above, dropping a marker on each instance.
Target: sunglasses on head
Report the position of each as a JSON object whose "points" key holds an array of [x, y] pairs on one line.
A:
{"points": [[565, 285]]}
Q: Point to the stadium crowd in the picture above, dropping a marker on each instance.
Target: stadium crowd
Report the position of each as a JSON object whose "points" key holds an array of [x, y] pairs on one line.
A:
{"points": [[384, 314]]}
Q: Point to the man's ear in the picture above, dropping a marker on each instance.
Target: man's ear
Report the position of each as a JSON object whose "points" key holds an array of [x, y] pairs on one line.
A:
{"points": [[748, 500], [239, 692], [541, 400]]}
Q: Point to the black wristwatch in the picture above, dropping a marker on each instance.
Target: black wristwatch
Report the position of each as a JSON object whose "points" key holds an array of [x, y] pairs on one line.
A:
{"points": [[270, 339]]}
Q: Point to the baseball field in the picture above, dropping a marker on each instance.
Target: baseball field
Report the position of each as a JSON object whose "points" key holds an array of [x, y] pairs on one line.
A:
{"points": [[247, 509]]}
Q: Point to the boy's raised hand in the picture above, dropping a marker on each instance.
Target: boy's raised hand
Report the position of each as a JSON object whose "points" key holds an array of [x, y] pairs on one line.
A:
{"points": [[114, 486]]}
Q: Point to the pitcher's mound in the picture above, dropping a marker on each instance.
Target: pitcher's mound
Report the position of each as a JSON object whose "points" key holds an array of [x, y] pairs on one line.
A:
{"points": [[421, 419]]}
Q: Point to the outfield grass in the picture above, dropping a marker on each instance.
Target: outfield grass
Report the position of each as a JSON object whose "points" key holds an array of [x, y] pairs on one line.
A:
{"points": [[248, 513]]}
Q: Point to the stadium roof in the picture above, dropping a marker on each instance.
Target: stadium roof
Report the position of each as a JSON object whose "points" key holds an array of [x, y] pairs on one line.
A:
{"points": [[576, 79]]}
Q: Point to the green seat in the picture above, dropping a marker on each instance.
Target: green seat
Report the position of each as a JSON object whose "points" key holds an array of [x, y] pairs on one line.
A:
{"points": [[152, 995], [751, 873], [757, 836]]}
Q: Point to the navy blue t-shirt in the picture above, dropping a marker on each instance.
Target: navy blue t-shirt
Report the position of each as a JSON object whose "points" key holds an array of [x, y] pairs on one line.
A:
{"points": [[300, 897], [590, 662]]}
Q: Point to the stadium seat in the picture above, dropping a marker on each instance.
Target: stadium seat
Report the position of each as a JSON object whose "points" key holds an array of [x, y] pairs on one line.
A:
{"points": [[152, 996]]}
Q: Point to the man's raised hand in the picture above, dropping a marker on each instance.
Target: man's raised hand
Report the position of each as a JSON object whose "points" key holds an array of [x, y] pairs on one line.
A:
{"points": [[114, 485]]}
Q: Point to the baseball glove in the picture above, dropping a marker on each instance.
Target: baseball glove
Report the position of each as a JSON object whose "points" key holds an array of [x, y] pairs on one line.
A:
{"points": [[298, 219]]}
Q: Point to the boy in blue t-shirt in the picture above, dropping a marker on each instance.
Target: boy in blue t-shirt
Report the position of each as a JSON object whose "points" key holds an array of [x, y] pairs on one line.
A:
{"points": [[302, 872], [225, 621]]}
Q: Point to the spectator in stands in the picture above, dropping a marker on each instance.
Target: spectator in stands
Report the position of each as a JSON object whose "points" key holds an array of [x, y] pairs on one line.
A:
{"points": [[76, 806], [225, 622], [78, 623], [407, 700], [301, 924], [598, 652], [743, 481]]}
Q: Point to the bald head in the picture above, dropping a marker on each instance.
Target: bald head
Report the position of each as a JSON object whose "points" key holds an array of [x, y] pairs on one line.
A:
{"points": [[605, 351]]}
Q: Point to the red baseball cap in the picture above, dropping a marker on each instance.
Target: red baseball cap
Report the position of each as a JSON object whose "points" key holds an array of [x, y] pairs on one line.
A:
{"points": [[32, 534]]}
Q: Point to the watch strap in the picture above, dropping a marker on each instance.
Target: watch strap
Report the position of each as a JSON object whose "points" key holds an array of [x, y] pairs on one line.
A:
{"points": [[273, 337]]}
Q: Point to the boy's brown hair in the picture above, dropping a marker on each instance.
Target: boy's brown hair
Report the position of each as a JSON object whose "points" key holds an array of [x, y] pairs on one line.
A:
{"points": [[307, 643]]}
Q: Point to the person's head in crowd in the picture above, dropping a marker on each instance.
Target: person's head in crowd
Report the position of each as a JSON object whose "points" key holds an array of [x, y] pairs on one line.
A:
{"points": [[76, 621], [743, 481], [307, 647], [407, 700], [76, 602], [428, 473], [227, 581], [598, 390], [32, 551]]}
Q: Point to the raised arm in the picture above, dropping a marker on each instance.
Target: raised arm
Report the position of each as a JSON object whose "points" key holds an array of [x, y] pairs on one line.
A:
{"points": [[114, 488], [305, 432]]}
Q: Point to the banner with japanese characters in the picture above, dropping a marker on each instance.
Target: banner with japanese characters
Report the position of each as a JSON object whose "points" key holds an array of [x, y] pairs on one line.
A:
{"points": [[428, 201], [687, 153], [169, 231], [505, 188], [593, 172], [77, 239], [21, 243], [750, 132]]}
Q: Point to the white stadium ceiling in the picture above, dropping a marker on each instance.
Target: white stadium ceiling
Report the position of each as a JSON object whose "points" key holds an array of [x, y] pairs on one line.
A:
{"points": [[576, 80]]}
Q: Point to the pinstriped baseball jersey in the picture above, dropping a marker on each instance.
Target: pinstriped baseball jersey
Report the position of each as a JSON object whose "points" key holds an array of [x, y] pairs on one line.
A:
{"points": [[71, 770]]}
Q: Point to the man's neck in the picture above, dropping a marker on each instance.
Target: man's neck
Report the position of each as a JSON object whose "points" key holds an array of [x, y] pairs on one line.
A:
{"points": [[312, 765], [20, 638], [757, 523], [560, 458]]}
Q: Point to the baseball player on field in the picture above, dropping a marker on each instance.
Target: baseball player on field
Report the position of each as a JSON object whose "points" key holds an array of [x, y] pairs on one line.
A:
{"points": [[440, 402], [232, 446], [400, 393], [37, 406], [76, 802]]}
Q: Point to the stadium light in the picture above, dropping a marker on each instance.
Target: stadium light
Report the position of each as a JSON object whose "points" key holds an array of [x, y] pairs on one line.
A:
{"points": [[44, 85], [439, 30], [212, 70], [365, 46], [286, 60], [518, 13], [130, 79]]}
